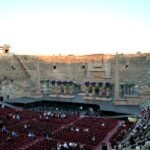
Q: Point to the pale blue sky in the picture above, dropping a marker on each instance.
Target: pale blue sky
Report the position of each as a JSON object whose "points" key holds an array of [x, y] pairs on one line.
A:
{"points": [[75, 26]]}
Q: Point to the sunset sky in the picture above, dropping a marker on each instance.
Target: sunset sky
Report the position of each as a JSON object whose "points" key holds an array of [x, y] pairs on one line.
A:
{"points": [[75, 26]]}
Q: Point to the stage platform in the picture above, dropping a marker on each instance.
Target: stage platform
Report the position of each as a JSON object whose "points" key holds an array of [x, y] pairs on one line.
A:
{"points": [[104, 105]]}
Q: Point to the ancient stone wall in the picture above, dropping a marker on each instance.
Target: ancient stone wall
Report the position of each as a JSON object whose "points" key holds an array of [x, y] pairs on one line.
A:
{"points": [[132, 68]]}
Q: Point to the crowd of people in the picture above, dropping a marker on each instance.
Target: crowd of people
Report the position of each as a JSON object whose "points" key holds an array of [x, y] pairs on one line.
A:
{"points": [[139, 137]]}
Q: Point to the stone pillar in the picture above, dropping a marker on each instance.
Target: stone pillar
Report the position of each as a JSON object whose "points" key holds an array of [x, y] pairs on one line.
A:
{"points": [[122, 90], [65, 88], [53, 88], [126, 89], [68, 88], [93, 88], [129, 90], [58, 87], [38, 77], [117, 78], [71, 88], [87, 88], [100, 84], [108, 90], [48, 87]]}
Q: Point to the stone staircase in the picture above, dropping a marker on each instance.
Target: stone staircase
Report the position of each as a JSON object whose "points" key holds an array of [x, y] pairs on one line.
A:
{"points": [[9, 71], [23, 66]]}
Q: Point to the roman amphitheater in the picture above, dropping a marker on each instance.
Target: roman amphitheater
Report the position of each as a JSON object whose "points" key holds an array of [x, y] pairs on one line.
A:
{"points": [[89, 102]]}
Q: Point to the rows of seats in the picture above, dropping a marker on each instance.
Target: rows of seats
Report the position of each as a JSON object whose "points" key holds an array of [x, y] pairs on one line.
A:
{"points": [[95, 129], [14, 143], [81, 137], [66, 120], [37, 127], [121, 132], [5, 111], [8, 116], [47, 144], [51, 144], [91, 131], [97, 123], [9, 122], [29, 114]]}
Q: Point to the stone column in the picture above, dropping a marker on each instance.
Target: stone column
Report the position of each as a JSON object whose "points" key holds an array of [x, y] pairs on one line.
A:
{"points": [[121, 90], [87, 88], [58, 87], [107, 89], [117, 78], [68, 88], [53, 88], [100, 89], [38, 77], [93, 88], [71, 88], [126, 89], [129, 89], [65, 88]]}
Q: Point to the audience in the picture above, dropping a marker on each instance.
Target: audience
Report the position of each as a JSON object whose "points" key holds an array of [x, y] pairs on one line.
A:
{"points": [[138, 137]]}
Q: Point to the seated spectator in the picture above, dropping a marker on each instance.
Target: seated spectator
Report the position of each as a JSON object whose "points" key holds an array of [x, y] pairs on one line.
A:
{"points": [[86, 129], [145, 127], [103, 124], [58, 146], [77, 129], [65, 146], [93, 138], [119, 147], [45, 113], [18, 117], [9, 139], [4, 130], [81, 146], [72, 129], [63, 115], [70, 144], [52, 115], [13, 116], [147, 145], [137, 147], [25, 126], [14, 134], [49, 113], [31, 135]]}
